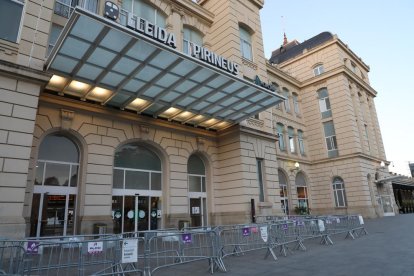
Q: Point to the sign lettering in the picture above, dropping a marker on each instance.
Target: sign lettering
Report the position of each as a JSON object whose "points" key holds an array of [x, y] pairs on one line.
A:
{"points": [[142, 26]]}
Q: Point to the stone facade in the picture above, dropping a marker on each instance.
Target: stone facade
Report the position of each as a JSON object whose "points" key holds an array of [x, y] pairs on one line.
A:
{"points": [[233, 158]]}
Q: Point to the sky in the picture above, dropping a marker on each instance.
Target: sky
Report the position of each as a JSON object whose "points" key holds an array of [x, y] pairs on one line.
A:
{"points": [[381, 33]]}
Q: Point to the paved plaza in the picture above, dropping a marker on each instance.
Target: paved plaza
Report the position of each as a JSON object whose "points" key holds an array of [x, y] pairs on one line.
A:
{"points": [[387, 250]]}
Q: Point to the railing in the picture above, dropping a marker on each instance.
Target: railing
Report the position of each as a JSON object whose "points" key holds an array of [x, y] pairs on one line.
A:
{"points": [[149, 251], [65, 7]]}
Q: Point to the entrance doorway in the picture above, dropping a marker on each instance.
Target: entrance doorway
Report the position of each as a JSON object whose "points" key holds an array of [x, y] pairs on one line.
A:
{"points": [[198, 206], [137, 189], [55, 188], [135, 213], [53, 215], [197, 194], [387, 206]]}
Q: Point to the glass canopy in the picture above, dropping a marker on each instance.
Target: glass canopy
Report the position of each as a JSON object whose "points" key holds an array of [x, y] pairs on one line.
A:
{"points": [[100, 60]]}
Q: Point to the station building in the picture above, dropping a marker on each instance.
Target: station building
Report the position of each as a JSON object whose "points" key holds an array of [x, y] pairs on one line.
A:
{"points": [[140, 114]]}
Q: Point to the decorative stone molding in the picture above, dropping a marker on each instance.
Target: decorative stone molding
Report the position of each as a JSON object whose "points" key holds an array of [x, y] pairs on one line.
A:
{"points": [[249, 63], [66, 118], [177, 9], [200, 143], [255, 122], [144, 131]]}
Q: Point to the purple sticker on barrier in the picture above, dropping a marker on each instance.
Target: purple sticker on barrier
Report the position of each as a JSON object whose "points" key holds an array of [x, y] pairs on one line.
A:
{"points": [[285, 227], [32, 247], [187, 238], [300, 223], [246, 231]]}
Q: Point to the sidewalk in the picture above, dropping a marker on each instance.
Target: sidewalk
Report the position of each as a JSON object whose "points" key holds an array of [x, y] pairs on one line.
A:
{"points": [[388, 250]]}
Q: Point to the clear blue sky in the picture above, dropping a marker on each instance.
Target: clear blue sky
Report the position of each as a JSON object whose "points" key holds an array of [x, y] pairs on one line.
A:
{"points": [[382, 34]]}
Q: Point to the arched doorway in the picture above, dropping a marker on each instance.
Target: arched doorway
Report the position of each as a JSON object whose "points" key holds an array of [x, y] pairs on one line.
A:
{"points": [[197, 191], [302, 191], [137, 189], [55, 188], [284, 197]]}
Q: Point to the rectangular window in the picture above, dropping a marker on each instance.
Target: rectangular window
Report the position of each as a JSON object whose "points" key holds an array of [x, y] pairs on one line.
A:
{"points": [[53, 36], [339, 193], [296, 103], [246, 44], [324, 103], [10, 19], [191, 36], [281, 137], [259, 163], [302, 193], [286, 102], [65, 8], [330, 138], [301, 143], [291, 140], [90, 5], [367, 137]]}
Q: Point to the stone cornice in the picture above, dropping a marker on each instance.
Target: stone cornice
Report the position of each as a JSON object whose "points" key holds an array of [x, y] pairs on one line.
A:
{"points": [[281, 74], [339, 70], [196, 9], [347, 156], [23, 72]]}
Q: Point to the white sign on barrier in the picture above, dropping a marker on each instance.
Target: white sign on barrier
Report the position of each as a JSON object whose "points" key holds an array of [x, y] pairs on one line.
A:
{"points": [[263, 233], [321, 225], [95, 247], [361, 220], [129, 251]]}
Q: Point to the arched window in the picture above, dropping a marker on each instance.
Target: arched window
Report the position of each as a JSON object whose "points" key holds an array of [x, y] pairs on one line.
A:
{"points": [[246, 43], [339, 192], [144, 10], [295, 98], [55, 190], [191, 36], [318, 69], [284, 197], [302, 191], [197, 191], [136, 189]]}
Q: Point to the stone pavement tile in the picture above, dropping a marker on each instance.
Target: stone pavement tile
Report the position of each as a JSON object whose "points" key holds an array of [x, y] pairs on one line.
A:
{"points": [[387, 250]]}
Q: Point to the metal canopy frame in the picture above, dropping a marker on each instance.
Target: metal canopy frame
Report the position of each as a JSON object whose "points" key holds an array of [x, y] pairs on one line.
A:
{"points": [[94, 52]]}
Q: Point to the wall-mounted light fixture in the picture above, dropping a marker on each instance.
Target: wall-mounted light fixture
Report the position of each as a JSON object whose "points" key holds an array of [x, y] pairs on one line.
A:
{"points": [[382, 166], [296, 168]]}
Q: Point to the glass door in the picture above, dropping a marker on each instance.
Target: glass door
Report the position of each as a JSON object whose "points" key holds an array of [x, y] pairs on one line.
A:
{"points": [[52, 215], [387, 205], [198, 207], [135, 213]]}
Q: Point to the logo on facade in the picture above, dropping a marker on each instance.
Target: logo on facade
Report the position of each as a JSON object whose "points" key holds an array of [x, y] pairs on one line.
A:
{"points": [[141, 25], [261, 83], [111, 10]]}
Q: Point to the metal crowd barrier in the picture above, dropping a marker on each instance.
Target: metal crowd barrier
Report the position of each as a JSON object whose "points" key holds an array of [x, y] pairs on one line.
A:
{"points": [[146, 252]]}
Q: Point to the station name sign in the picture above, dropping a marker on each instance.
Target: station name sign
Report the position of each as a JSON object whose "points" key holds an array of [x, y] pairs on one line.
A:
{"points": [[213, 59], [159, 34]]}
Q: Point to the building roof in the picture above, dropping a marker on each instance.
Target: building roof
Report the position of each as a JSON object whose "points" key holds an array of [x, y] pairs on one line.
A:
{"points": [[294, 48]]}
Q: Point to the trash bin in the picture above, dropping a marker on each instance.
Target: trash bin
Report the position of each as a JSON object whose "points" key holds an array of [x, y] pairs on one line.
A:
{"points": [[99, 228], [183, 224]]}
